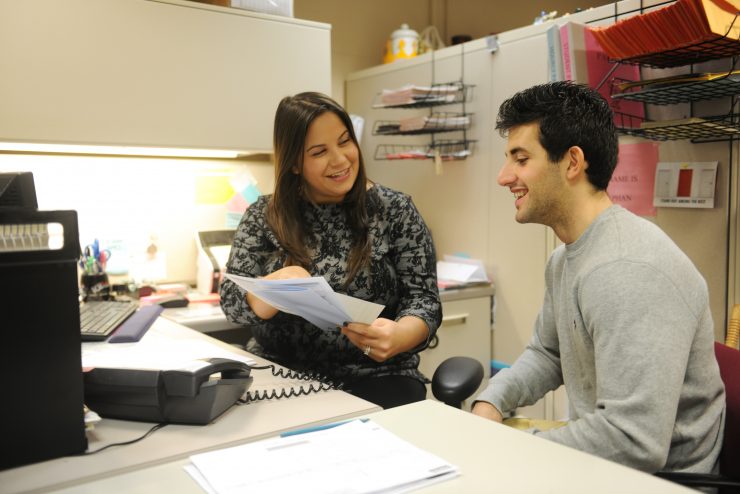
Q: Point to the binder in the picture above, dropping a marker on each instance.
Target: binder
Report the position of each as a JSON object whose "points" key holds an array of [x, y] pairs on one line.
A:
{"points": [[40, 356]]}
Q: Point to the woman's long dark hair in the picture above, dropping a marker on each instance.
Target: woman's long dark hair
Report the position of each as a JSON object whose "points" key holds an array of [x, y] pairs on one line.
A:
{"points": [[284, 211]]}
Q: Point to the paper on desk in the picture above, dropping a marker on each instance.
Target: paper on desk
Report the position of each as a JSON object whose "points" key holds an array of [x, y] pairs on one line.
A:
{"points": [[220, 253], [156, 350], [310, 298], [461, 269], [355, 457]]}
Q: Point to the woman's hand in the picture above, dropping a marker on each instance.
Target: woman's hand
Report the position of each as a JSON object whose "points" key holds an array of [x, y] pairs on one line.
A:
{"points": [[288, 273], [262, 308], [384, 338]]}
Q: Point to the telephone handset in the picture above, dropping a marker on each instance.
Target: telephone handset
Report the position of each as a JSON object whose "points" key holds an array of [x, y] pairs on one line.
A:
{"points": [[187, 381], [187, 395]]}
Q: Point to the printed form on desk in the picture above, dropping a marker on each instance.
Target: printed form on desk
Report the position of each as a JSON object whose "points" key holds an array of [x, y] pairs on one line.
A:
{"points": [[356, 457]]}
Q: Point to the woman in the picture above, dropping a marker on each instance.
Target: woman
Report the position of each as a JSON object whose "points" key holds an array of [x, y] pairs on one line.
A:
{"points": [[327, 219]]}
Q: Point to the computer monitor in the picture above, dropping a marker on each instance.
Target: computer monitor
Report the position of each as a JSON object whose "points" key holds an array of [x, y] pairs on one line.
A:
{"points": [[17, 189]]}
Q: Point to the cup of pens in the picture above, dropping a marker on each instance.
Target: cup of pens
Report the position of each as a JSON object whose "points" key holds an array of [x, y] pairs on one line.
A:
{"points": [[94, 280]]}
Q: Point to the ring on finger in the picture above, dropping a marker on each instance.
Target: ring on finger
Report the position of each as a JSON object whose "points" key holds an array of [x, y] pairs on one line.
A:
{"points": [[367, 350]]}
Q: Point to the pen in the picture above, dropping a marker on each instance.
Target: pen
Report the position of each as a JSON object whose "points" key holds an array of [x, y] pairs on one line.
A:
{"points": [[306, 430]]}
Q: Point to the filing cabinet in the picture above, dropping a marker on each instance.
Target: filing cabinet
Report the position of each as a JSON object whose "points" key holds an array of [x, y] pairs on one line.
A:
{"points": [[465, 330]]}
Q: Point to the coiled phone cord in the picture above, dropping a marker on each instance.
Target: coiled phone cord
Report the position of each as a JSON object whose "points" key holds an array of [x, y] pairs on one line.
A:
{"points": [[322, 384]]}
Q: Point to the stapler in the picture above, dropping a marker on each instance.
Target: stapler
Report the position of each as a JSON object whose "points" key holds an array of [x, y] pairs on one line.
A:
{"points": [[189, 395]]}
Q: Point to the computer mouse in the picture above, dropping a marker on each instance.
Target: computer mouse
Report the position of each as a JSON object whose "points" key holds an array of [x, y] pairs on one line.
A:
{"points": [[174, 301]]}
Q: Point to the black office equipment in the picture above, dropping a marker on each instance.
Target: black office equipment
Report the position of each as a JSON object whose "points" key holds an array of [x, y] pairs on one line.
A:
{"points": [[184, 396], [41, 416], [17, 190], [100, 318], [174, 301]]}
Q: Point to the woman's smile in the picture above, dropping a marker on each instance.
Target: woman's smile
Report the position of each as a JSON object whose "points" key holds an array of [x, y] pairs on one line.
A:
{"points": [[340, 176]]}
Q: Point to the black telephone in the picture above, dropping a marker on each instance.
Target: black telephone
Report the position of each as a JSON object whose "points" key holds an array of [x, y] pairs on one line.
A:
{"points": [[189, 395]]}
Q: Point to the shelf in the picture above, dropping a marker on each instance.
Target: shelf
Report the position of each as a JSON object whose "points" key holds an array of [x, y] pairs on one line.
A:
{"points": [[711, 49], [448, 150], [701, 43], [684, 33], [705, 129], [426, 124], [424, 96], [685, 93]]}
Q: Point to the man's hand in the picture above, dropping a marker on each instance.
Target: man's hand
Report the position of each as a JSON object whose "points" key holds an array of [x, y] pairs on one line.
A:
{"points": [[486, 410]]}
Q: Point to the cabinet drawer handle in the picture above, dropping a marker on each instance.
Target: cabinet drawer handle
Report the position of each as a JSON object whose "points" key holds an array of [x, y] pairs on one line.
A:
{"points": [[456, 319]]}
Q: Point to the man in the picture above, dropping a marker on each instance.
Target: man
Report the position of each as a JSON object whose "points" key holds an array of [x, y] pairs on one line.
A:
{"points": [[625, 324]]}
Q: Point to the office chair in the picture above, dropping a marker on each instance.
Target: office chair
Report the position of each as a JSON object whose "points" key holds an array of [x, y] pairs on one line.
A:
{"points": [[728, 480], [456, 379]]}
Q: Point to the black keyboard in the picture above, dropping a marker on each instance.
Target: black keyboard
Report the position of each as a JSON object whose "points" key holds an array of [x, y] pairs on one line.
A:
{"points": [[100, 318]]}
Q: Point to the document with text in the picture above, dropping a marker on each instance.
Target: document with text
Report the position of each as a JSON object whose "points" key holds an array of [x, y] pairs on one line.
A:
{"points": [[310, 298], [357, 457]]}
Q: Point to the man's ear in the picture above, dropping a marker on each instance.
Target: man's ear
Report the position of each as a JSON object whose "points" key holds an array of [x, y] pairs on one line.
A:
{"points": [[577, 163]]}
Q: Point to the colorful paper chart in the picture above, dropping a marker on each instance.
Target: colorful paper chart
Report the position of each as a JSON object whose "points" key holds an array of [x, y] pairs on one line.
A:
{"points": [[246, 193]]}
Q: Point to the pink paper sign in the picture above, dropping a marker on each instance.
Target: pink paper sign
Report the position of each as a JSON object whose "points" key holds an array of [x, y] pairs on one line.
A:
{"points": [[633, 182]]}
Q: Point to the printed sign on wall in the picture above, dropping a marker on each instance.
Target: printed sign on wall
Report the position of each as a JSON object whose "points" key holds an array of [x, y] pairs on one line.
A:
{"points": [[685, 185]]}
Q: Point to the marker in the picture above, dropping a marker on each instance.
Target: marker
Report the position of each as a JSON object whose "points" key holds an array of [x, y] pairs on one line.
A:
{"points": [[306, 430]]}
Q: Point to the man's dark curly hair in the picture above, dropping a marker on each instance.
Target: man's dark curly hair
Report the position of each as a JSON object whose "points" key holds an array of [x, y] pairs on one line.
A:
{"points": [[568, 115]]}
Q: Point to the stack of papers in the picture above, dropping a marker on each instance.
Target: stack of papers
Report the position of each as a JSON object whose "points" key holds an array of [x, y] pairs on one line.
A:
{"points": [[457, 271], [733, 76], [357, 457], [681, 24], [412, 94], [436, 121], [446, 152], [312, 299], [697, 124]]}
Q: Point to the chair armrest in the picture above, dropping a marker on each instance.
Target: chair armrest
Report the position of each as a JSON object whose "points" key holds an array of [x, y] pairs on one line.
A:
{"points": [[456, 379]]}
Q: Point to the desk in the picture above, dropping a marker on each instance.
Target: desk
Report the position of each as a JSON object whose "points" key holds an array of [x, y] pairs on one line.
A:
{"points": [[492, 458], [237, 425], [209, 319], [206, 318]]}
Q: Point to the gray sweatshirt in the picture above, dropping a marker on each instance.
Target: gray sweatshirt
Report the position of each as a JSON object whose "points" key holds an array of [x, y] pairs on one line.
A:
{"points": [[626, 326]]}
